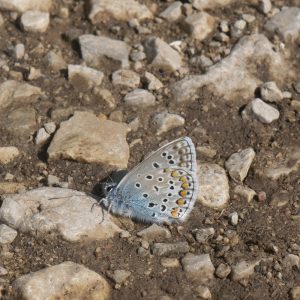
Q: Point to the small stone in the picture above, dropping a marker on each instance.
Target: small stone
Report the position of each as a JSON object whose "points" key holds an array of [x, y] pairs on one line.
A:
{"points": [[123, 10], [270, 92], [34, 74], [61, 281], [262, 196], [154, 233], [163, 122], [9, 177], [8, 154], [297, 87], [206, 151], [95, 49], [244, 192], [142, 252], [222, 271], [248, 18], [169, 262], [165, 249], [106, 96], [265, 6], [55, 61], [295, 104], [50, 127], [199, 25], [154, 83], [286, 24], [203, 234], [35, 21], [41, 136], [53, 180], [233, 218], [161, 55], [243, 270], [116, 116], [287, 95], [214, 191], [224, 26], [3, 271], [7, 234], [240, 24], [125, 234], [198, 268], [139, 98], [238, 164], [237, 29], [11, 187], [106, 142], [120, 276], [295, 293], [280, 199], [126, 78], [25, 5], [173, 12], [203, 292], [84, 78], [290, 261], [1, 21], [19, 51]]}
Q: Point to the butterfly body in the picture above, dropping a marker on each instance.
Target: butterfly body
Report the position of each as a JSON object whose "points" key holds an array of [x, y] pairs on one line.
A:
{"points": [[162, 188]]}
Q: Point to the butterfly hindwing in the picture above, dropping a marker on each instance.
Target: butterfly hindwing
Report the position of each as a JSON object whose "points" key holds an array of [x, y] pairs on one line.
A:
{"points": [[163, 188]]}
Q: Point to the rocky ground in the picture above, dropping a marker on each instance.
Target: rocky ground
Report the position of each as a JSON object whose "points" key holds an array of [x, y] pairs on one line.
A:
{"points": [[90, 87]]}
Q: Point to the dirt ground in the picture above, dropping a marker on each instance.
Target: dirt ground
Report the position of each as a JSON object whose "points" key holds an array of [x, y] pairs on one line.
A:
{"points": [[222, 128]]}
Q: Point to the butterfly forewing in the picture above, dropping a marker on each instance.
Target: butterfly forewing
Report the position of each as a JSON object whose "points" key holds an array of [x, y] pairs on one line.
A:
{"points": [[164, 186]]}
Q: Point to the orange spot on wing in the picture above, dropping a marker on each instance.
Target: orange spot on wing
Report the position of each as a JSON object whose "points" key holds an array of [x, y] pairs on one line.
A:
{"points": [[175, 174], [185, 185], [180, 202], [183, 193]]}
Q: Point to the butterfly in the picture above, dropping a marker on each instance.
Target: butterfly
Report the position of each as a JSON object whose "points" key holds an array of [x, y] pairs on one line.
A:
{"points": [[161, 189]]}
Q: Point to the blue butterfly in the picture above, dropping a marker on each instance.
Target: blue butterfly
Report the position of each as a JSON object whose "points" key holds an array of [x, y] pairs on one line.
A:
{"points": [[161, 189]]}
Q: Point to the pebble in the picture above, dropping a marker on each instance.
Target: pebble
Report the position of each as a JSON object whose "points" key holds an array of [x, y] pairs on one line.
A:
{"points": [[243, 270], [248, 18], [11, 187], [161, 55], [295, 293], [142, 252], [123, 10], [46, 209], [84, 78], [154, 233], [204, 4], [8, 154], [206, 151], [172, 13], [260, 110], [41, 136], [198, 268], [19, 51], [214, 184], [290, 261], [140, 98], [280, 199], [25, 5], [199, 25], [3, 271], [126, 78], [202, 235], [238, 164], [7, 234], [124, 234], [163, 122], [224, 26], [270, 92], [165, 249], [120, 276], [106, 96], [286, 24], [55, 61], [50, 127], [35, 21], [265, 6], [153, 82], [34, 74], [296, 87], [233, 218], [96, 48], [244, 192], [71, 141], [53, 180], [223, 270], [64, 279], [170, 262], [203, 292]]}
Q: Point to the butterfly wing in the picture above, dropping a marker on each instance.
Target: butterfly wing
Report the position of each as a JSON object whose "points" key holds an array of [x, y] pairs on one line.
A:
{"points": [[164, 187]]}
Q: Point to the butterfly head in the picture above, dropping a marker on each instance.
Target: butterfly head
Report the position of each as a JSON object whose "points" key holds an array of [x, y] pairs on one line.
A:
{"points": [[108, 187]]}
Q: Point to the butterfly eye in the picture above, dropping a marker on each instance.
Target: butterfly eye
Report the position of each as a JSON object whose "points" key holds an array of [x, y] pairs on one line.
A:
{"points": [[109, 188]]}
